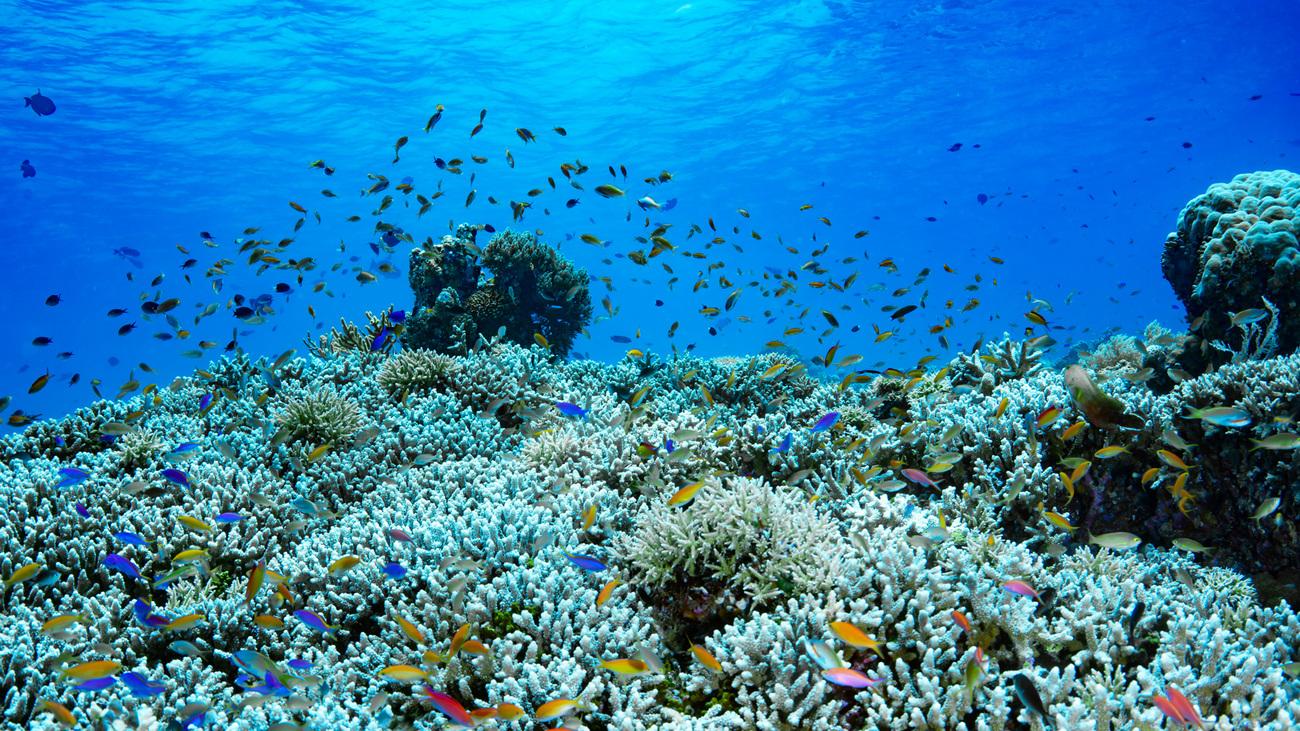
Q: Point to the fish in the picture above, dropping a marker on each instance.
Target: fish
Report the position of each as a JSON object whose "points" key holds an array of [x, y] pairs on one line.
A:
{"points": [[826, 422], [586, 563], [315, 621], [122, 564], [608, 191], [176, 477], [1285, 440], [1027, 692], [1221, 416], [706, 658], [626, 666], [138, 686], [1118, 541], [569, 409], [1020, 588], [41, 104], [558, 708], [849, 678], [72, 476], [850, 633], [1266, 509]]}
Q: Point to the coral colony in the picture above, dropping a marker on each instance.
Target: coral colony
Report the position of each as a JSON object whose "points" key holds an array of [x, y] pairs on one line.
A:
{"points": [[437, 521]]}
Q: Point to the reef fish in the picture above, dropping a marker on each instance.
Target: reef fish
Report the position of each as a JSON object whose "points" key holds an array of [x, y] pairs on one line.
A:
{"points": [[41, 104]]}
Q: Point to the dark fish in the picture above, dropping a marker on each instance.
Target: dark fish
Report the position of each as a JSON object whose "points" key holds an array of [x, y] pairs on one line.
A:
{"points": [[156, 281], [64, 355], [931, 219], [901, 312], [982, 199], [488, 227], [956, 146], [1187, 145], [398, 316], [442, 164], [116, 312], [53, 300], [713, 331], [659, 303], [41, 341], [42, 105], [1138, 610], [189, 263], [243, 313], [162, 336], [28, 170], [1151, 119], [149, 308], [571, 203], [125, 329], [620, 338], [205, 234], [1257, 97], [283, 288], [1028, 694]]}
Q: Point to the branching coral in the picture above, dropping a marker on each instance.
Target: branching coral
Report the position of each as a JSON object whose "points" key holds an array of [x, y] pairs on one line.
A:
{"points": [[319, 417], [417, 369]]}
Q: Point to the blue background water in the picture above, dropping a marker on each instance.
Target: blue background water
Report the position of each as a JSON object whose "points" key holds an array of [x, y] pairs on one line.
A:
{"points": [[178, 118]]}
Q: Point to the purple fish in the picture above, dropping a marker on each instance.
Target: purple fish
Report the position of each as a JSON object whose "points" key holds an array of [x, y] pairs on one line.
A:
{"points": [[139, 687], [144, 614], [93, 686], [585, 562], [205, 402], [229, 518], [379, 339], [123, 564], [826, 421], [72, 476], [81, 510], [176, 477], [315, 621], [274, 686], [569, 409]]}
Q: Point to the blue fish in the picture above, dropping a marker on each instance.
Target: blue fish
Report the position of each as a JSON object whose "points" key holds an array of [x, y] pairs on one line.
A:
{"points": [[585, 562], [132, 539], [394, 571], [118, 562], [302, 665], [46, 577], [28, 170], [81, 510], [826, 421], [41, 104], [785, 444], [176, 477], [398, 316], [274, 686], [378, 343], [229, 518], [205, 402], [187, 648], [139, 687], [669, 446], [315, 621], [94, 686], [72, 476], [186, 447], [620, 338], [569, 409], [144, 614]]}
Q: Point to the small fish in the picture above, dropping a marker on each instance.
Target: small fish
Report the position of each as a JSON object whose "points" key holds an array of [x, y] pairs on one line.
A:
{"points": [[1019, 588], [626, 667], [344, 564], [176, 477], [850, 633], [1266, 509], [608, 191], [131, 539], [585, 562], [121, 564], [1118, 541], [706, 658], [41, 104], [919, 477], [448, 705], [1285, 440], [849, 678], [315, 621], [72, 476], [826, 422], [1221, 415], [1111, 451], [558, 708], [606, 592], [394, 571], [686, 494], [573, 410], [138, 686], [1027, 692], [1187, 544]]}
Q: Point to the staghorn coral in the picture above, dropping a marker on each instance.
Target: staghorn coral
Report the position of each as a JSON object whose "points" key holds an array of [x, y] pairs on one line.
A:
{"points": [[354, 339], [1003, 361], [138, 447]]}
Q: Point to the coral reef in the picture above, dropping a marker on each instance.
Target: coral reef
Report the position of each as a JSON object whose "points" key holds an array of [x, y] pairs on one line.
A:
{"points": [[1235, 247], [473, 509], [516, 286]]}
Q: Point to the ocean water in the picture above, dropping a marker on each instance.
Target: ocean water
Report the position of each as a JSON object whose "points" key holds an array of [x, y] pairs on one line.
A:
{"points": [[176, 119], [816, 167]]}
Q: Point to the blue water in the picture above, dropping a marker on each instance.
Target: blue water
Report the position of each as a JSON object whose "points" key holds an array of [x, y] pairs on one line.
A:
{"points": [[178, 118]]}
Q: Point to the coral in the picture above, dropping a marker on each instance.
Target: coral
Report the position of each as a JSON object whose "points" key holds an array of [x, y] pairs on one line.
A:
{"points": [[1235, 245], [319, 417], [764, 540], [417, 369], [1003, 361], [354, 339], [515, 285], [138, 447]]}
